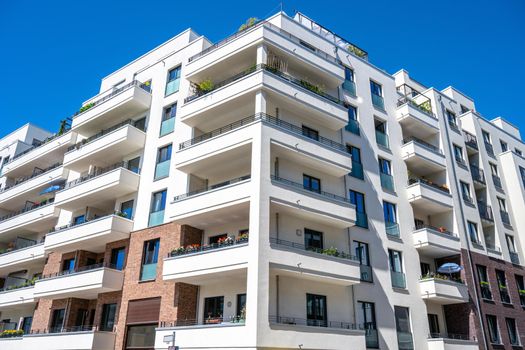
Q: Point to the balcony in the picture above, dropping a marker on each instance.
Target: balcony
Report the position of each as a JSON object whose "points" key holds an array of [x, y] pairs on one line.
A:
{"points": [[214, 197], [321, 265], [82, 339], [92, 235], [30, 186], [422, 157], [429, 197], [26, 253], [16, 297], [295, 196], [485, 212], [435, 242], [451, 342], [471, 142], [102, 185], [47, 153], [114, 105], [478, 175], [85, 282], [36, 218], [108, 145], [301, 95], [193, 264], [443, 291], [416, 122], [194, 334]]}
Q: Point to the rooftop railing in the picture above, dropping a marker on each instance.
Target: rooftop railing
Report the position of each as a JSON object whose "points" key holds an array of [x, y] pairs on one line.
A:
{"points": [[212, 187], [39, 144]]}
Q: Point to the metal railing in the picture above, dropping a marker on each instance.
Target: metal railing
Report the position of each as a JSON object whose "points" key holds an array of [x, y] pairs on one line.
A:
{"points": [[440, 230], [68, 329], [470, 140], [327, 251], [478, 174], [485, 211], [441, 277], [410, 95], [451, 336], [28, 208], [195, 249], [20, 243], [302, 187], [295, 321], [98, 135], [40, 143], [87, 220], [422, 143], [301, 83], [36, 172], [210, 321], [23, 283], [113, 92], [97, 172], [429, 183], [212, 187], [79, 270]]}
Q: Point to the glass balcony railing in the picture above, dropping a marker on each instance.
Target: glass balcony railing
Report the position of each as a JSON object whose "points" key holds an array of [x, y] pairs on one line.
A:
{"points": [[404, 341], [470, 140], [485, 211], [378, 101], [382, 139], [497, 181], [353, 127], [387, 181], [349, 86], [392, 229], [398, 279], [505, 217], [361, 220], [478, 175], [371, 336], [148, 272], [514, 258], [172, 86], [212, 187], [357, 170], [366, 273], [156, 218], [162, 169], [167, 126], [490, 149]]}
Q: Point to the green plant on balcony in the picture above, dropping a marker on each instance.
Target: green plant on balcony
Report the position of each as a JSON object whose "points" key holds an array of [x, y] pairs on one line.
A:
{"points": [[502, 286], [121, 214], [314, 88], [250, 22], [204, 86], [425, 106], [521, 291], [356, 51], [86, 107], [438, 276], [484, 284], [243, 237], [10, 333]]}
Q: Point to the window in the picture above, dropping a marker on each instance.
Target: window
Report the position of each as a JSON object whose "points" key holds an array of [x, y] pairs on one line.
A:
{"points": [[486, 137], [433, 325], [134, 165], [168, 120], [425, 268], [473, 232], [367, 317], [150, 256], [361, 252], [502, 204], [162, 168], [172, 85], [520, 284], [311, 183], [404, 335], [358, 199], [68, 265], [504, 146], [107, 322], [57, 320], [492, 323], [502, 284], [464, 109], [381, 135], [140, 124], [141, 336], [377, 95], [357, 166], [458, 154], [396, 269], [510, 243], [79, 220], [26, 324], [118, 256], [310, 133], [389, 212], [493, 169], [465, 191], [385, 166], [313, 240], [385, 174], [158, 203], [241, 306], [517, 151], [316, 310], [484, 282], [353, 125], [4, 162], [213, 309], [513, 331], [349, 83], [126, 208], [451, 118], [522, 173]]}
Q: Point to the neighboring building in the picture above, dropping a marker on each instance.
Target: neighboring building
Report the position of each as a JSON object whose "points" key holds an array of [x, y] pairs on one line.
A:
{"points": [[273, 190]]}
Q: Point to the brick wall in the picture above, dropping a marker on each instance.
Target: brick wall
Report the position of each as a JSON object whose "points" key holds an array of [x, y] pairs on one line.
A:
{"points": [[171, 236]]}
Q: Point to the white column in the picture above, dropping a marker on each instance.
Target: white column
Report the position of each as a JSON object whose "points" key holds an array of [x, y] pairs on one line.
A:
{"points": [[262, 54]]}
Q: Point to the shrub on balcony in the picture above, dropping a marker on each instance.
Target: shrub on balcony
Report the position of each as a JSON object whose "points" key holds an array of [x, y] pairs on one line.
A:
{"points": [[243, 237], [10, 333], [356, 51], [438, 276], [86, 107], [314, 88], [121, 214], [250, 22], [484, 283], [521, 291], [425, 106], [204, 86], [502, 286]]}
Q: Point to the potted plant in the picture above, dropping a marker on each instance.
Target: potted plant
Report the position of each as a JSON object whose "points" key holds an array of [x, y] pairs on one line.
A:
{"points": [[204, 86], [250, 22], [86, 107]]}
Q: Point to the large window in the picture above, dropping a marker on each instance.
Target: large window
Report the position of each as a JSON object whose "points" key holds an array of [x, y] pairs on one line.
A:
{"points": [[458, 154], [513, 331], [241, 306], [126, 208], [353, 124], [492, 324], [367, 317], [385, 174], [316, 310], [313, 240], [404, 334], [357, 166], [141, 336], [57, 320], [465, 191], [377, 95], [310, 133], [362, 253], [503, 288], [68, 265], [107, 322], [168, 119], [396, 269], [172, 85], [520, 284], [358, 199], [473, 232], [390, 216], [158, 203], [433, 325], [311, 183], [484, 284], [349, 83], [162, 169], [150, 256], [118, 256], [452, 120], [213, 309]]}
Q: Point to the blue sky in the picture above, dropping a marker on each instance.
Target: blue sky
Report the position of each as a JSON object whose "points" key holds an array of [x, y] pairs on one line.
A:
{"points": [[54, 53]]}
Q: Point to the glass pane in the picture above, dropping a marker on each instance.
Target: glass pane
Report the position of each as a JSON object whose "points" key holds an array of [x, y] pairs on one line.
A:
{"points": [[172, 87], [149, 272], [162, 170], [156, 218], [167, 126], [140, 336]]}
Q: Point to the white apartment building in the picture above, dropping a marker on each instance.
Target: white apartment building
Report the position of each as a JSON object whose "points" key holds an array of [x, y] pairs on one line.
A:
{"points": [[272, 190]]}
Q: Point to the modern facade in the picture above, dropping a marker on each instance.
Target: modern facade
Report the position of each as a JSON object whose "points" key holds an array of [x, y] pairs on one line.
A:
{"points": [[272, 190]]}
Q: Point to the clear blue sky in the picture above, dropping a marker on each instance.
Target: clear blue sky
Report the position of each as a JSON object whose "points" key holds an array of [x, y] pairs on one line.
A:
{"points": [[54, 53]]}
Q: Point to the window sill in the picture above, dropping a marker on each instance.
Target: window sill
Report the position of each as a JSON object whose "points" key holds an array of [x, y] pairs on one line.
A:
{"points": [[147, 281]]}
